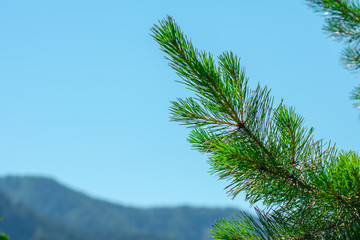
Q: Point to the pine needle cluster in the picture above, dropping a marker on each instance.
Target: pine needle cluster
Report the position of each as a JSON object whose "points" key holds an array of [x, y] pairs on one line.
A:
{"points": [[342, 22], [309, 189]]}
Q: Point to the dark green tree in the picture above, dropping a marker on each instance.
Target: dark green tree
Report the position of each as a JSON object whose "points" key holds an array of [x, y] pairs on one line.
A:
{"points": [[3, 236], [308, 188], [342, 22]]}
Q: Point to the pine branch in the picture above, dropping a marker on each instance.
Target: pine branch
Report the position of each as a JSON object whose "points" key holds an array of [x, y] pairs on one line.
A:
{"points": [[264, 151], [355, 95], [342, 18], [247, 227]]}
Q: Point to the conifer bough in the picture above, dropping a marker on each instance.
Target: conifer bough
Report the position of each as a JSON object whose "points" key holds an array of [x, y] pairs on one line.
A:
{"points": [[342, 22], [309, 190]]}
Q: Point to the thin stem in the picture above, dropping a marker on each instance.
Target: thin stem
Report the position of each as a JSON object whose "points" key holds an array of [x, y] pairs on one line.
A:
{"points": [[215, 121]]}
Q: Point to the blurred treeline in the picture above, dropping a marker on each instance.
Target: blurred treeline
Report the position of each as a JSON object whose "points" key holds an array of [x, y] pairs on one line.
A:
{"points": [[37, 208]]}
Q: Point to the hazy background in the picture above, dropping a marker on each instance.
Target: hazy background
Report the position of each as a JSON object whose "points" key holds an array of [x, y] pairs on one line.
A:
{"points": [[85, 91]]}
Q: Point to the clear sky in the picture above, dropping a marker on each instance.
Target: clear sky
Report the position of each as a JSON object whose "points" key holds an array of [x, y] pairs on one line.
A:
{"points": [[85, 91]]}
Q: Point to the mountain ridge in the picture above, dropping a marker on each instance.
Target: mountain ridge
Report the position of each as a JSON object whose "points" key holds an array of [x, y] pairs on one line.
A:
{"points": [[80, 211]]}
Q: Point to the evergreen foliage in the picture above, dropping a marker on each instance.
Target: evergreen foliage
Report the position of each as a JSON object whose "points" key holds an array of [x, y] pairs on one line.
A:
{"points": [[309, 189], [342, 18], [3, 236]]}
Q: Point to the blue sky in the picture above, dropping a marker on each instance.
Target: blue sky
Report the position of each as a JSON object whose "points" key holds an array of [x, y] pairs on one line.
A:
{"points": [[85, 91]]}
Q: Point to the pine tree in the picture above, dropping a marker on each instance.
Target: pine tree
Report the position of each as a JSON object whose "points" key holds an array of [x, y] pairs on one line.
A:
{"points": [[342, 22], [3, 236], [309, 189]]}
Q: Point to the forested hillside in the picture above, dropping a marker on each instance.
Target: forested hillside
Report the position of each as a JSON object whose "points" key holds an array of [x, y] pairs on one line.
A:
{"points": [[69, 209], [22, 223]]}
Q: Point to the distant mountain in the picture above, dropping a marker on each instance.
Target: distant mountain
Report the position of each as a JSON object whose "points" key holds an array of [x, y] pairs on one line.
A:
{"points": [[22, 223], [101, 220]]}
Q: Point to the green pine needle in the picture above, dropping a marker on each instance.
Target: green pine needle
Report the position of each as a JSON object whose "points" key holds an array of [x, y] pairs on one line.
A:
{"points": [[266, 151]]}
